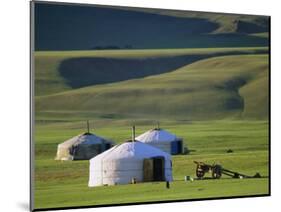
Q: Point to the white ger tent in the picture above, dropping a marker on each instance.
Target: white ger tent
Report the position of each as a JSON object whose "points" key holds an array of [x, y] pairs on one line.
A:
{"points": [[163, 140], [130, 161], [82, 147]]}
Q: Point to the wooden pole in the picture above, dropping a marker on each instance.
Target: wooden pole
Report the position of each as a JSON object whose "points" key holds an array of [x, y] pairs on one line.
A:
{"points": [[133, 133], [167, 184]]}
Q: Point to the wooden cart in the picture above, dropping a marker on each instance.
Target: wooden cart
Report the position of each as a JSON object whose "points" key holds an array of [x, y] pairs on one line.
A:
{"points": [[217, 171]]}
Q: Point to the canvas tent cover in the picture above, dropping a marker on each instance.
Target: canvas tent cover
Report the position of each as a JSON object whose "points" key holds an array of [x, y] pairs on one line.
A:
{"points": [[123, 162], [156, 135], [161, 139], [82, 147]]}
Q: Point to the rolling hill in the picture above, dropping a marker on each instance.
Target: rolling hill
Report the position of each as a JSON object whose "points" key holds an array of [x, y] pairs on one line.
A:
{"points": [[226, 23], [68, 27], [214, 88], [65, 70]]}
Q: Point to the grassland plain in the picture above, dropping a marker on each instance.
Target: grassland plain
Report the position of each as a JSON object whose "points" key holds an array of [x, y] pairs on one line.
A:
{"points": [[215, 103], [62, 184]]}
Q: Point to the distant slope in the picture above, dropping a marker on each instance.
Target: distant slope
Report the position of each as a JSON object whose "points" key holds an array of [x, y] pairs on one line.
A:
{"points": [[227, 23], [67, 27], [215, 88], [64, 70]]}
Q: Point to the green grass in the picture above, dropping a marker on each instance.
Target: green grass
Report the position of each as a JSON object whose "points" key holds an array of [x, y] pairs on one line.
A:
{"points": [[150, 192], [232, 87], [59, 184]]}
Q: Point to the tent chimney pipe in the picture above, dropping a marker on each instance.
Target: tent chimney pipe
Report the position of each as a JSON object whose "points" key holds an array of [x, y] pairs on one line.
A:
{"points": [[88, 128], [133, 133]]}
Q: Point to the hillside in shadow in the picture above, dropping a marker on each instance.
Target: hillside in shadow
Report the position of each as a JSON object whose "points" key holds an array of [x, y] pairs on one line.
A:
{"points": [[85, 71], [68, 27]]}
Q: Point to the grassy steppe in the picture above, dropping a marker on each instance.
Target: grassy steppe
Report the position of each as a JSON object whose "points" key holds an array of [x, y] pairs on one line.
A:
{"points": [[65, 183]]}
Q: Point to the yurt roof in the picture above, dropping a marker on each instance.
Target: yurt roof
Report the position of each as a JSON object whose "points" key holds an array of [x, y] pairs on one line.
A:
{"points": [[129, 150], [85, 138], [156, 135]]}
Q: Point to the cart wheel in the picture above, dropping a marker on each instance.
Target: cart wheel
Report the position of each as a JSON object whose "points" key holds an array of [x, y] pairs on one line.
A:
{"points": [[199, 172], [217, 172]]}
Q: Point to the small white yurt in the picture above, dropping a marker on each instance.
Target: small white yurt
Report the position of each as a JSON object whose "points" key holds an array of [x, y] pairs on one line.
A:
{"points": [[163, 140], [82, 147], [130, 161]]}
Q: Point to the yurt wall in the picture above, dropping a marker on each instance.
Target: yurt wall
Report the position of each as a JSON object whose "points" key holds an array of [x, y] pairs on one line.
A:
{"points": [[82, 152], [82, 147], [130, 160]]}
